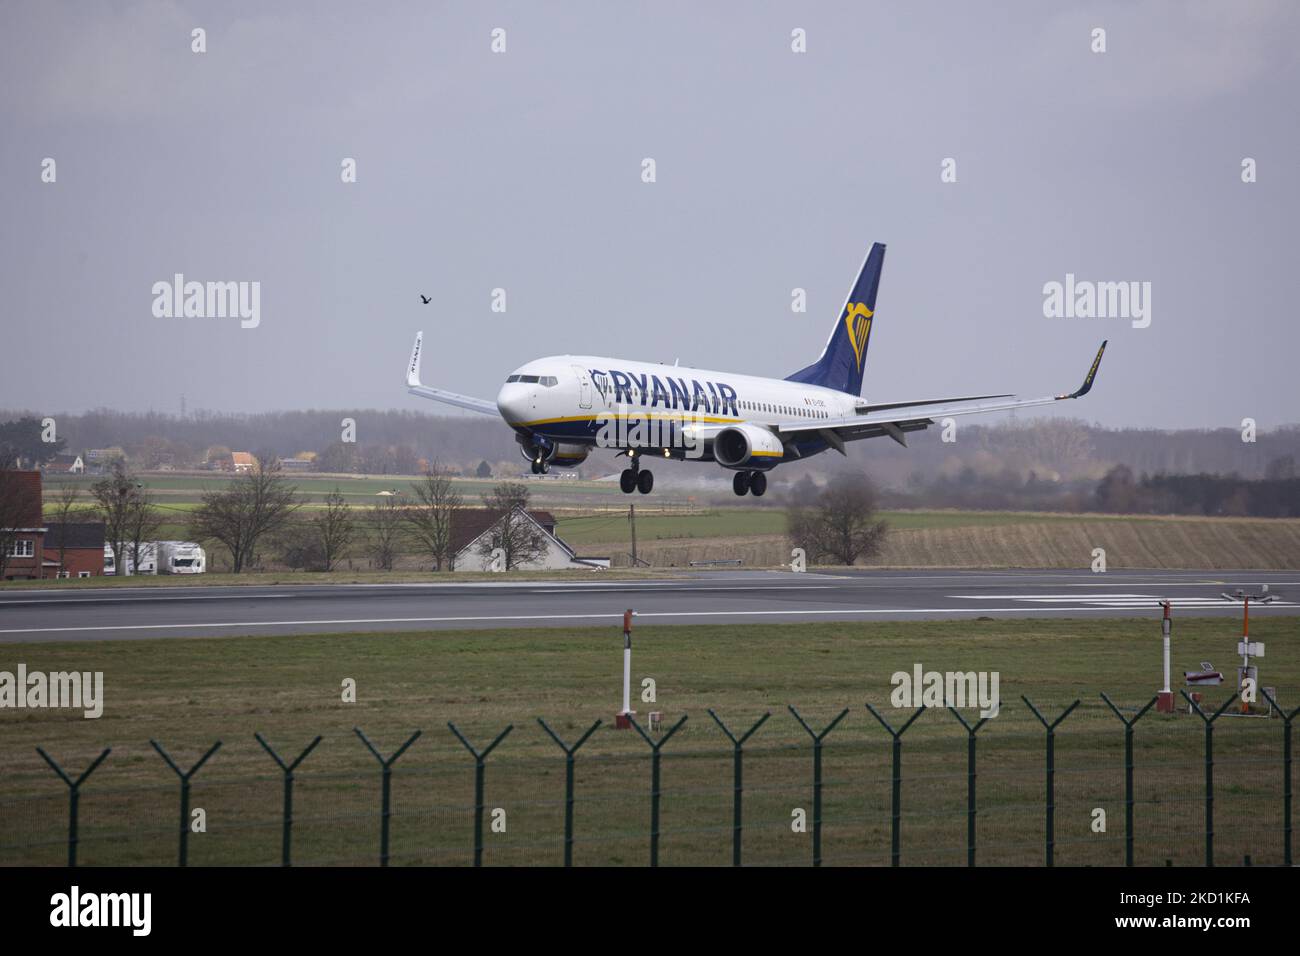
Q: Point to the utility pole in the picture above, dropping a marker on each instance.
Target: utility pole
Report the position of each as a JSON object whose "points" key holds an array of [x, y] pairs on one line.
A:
{"points": [[631, 517]]}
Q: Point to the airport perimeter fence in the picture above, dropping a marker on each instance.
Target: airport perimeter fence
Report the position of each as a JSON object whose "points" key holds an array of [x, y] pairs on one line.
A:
{"points": [[1097, 784]]}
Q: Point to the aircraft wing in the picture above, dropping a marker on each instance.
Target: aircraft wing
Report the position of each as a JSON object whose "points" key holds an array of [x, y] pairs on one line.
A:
{"points": [[414, 387], [895, 419]]}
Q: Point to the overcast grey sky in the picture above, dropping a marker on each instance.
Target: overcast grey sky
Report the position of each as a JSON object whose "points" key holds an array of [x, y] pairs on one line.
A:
{"points": [[522, 170]]}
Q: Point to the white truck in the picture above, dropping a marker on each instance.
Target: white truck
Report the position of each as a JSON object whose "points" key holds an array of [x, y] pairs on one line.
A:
{"points": [[148, 559], [181, 557]]}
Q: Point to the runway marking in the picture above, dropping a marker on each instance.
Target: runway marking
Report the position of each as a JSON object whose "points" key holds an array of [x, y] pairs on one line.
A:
{"points": [[126, 600], [743, 587], [1112, 600], [608, 616]]}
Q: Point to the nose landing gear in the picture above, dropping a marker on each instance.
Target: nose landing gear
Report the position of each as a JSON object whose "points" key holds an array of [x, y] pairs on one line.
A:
{"points": [[752, 482], [636, 478]]}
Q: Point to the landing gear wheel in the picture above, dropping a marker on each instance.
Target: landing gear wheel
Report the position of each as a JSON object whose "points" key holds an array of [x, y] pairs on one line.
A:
{"points": [[627, 481], [537, 468], [645, 481], [740, 484], [757, 484]]}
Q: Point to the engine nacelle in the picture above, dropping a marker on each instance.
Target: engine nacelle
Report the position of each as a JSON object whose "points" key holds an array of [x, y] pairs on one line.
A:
{"points": [[746, 446], [554, 454], [569, 456]]}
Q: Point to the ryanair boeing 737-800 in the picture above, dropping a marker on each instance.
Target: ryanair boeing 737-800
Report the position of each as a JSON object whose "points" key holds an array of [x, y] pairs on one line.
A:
{"points": [[563, 406]]}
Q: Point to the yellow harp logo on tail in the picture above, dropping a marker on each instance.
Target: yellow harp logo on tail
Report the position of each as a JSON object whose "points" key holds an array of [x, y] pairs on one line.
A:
{"points": [[857, 319]]}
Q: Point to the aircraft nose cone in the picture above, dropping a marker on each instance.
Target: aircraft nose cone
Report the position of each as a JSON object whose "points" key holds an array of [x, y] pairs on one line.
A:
{"points": [[512, 402]]}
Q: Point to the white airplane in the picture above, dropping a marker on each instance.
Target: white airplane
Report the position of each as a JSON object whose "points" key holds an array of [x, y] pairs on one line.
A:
{"points": [[562, 406]]}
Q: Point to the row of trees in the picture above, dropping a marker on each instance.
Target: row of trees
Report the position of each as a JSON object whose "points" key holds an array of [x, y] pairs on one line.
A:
{"points": [[263, 509], [261, 513], [1276, 496]]}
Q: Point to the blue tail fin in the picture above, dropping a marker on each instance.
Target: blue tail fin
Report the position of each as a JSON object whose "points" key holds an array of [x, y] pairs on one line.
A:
{"points": [[841, 363]]}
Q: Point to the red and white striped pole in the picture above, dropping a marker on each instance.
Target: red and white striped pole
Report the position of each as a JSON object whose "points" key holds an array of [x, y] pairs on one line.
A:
{"points": [[621, 719], [1165, 699]]}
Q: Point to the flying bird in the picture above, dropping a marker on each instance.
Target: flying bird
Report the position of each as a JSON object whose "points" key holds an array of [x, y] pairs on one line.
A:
{"points": [[425, 299]]}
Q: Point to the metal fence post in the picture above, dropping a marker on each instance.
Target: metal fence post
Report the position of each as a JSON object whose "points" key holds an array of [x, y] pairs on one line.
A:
{"points": [[74, 794], [1286, 776], [287, 823], [1209, 771], [817, 777], [970, 781], [185, 776], [896, 791], [654, 781], [737, 778], [568, 783], [1050, 849], [1128, 771], [386, 775], [478, 784]]}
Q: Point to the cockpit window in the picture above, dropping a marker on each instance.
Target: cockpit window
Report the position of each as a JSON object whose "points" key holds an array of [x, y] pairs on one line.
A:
{"points": [[544, 380]]}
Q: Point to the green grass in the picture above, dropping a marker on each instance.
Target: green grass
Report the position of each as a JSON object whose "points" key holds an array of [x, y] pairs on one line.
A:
{"points": [[186, 490], [188, 693]]}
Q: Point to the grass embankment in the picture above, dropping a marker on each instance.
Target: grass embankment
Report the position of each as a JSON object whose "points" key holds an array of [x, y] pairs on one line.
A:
{"points": [[1008, 540], [189, 693]]}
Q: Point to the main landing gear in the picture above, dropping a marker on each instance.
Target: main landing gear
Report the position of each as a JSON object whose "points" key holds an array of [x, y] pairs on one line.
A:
{"points": [[754, 482], [541, 467], [636, 478]]}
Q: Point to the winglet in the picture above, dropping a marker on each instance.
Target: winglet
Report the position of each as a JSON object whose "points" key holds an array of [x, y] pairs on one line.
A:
{"points": [[1081, 391], [413, 370]]}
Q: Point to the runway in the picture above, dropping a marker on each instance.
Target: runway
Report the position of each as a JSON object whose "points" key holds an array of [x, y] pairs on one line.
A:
{"points": [[717, 597]]}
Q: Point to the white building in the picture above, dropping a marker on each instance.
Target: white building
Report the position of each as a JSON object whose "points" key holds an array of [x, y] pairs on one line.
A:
{"points": [[476, 530]]}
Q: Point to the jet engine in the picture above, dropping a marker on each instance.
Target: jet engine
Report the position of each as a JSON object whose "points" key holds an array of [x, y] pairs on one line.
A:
{"points": [[746, 446], [552, 454]]}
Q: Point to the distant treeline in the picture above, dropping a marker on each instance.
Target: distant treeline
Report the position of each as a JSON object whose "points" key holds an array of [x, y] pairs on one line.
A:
{"points": [[1068, 450], [1010, 464], [386, 442], [1118, 492]]}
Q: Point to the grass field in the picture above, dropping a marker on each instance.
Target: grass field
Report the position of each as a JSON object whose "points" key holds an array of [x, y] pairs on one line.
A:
{"points": [[188, 693], [742, 522]]}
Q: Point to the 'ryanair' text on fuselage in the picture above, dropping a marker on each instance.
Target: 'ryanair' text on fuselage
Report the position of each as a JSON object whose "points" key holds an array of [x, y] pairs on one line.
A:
{"points": [[716, 398]]}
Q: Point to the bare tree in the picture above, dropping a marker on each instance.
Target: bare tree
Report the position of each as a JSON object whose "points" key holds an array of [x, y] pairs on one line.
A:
{"points": [[384, 530], [333, 529], [430, 516], [257, 503], [515, 533], [143, 521], [839, 523], [114, 496], [67, 507], [19, 505]]}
